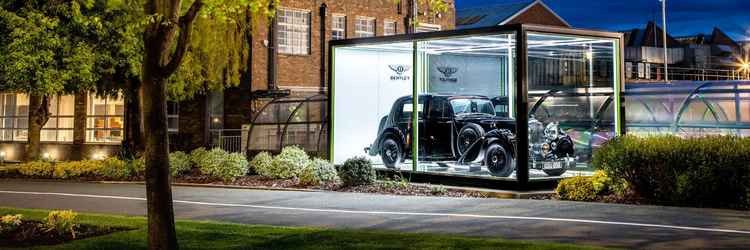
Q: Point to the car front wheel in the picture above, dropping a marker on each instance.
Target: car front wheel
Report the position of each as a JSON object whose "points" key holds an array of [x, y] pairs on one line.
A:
{"points": [[391, 153], [498, 160]]}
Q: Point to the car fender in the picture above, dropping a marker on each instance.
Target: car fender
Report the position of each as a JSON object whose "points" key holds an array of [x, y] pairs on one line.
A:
{"points": [[502, 136], [394, 133]]}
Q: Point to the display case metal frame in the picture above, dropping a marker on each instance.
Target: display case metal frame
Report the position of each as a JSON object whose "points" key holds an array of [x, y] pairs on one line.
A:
{"points": [[521, 76]]}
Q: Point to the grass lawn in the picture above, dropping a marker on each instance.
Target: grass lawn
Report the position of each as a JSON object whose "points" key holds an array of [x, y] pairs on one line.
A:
{"points": [[214, 235]]}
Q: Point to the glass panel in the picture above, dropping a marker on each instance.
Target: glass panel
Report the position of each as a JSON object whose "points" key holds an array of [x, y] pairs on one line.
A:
{"points": [[571, 83], [373, 87], [461, 82]]}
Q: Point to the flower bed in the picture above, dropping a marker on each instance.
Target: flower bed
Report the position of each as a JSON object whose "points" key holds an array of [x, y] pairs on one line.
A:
{"points": [[57, 228]]}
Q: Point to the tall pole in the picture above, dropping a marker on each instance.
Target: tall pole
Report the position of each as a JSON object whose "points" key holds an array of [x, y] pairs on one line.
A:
{"points": [[664, 37]]}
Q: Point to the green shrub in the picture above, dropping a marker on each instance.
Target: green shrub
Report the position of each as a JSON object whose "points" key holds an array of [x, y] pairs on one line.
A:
{"points": [[198, 155], [36, 169], [61, 222], [707, 171], [10, 222], [261, 163], [179, 163], [319, 172], [114, 168], [357, 171], [288, 164], [73, 169], [220, 164], [579, 188]]}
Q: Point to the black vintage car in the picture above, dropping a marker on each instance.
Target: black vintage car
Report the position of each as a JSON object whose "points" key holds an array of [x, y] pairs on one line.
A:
{"points": [[465, 129]]}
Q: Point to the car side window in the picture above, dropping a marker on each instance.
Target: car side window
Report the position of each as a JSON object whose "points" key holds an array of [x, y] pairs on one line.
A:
{"points": [[437, 108], [407, 108]]}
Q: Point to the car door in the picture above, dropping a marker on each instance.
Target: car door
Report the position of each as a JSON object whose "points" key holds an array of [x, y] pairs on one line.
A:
{"points": [[439, 128]]}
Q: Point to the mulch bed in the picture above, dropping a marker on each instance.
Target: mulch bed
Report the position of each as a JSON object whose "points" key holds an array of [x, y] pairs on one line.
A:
{"points": [[410, 190], [32, 233]]}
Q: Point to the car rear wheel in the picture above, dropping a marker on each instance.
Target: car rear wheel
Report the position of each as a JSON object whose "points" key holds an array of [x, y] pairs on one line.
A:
{"points": [[467, 136], [498, 160], [391, 153]]}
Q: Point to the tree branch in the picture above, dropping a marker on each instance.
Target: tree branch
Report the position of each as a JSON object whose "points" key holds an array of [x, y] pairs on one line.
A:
{"points": [[183, 41]]}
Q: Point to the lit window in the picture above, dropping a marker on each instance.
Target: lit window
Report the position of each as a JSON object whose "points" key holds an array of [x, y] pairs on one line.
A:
{"points": [[104, 119], [389, 28], [294, 31], [14, 120], [365, 27], [173, 117], [59, 127], [338, 27]]}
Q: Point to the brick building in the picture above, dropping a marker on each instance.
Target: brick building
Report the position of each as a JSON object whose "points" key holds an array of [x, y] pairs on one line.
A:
{"points": [[289, 58], [528, 11]]}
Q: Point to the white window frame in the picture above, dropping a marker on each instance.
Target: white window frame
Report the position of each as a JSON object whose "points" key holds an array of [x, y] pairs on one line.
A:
{"points": [[390, 27], [365, 27], [10, 119], [338, 28], [55, 126], [293, 29], [91, 118], [173, 117]]}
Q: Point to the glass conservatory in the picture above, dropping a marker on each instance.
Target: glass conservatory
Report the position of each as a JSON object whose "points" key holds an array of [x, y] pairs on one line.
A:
{"points": [[286, 121], [515, 102]]}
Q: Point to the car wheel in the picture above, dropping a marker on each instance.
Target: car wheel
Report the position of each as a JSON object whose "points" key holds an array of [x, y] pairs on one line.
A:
{"points": [[554, 172], [391, 153], [498, 160], [468, 135]]}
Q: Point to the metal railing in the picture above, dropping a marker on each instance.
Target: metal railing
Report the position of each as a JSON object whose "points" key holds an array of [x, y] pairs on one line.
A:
{"points": [[651, 72], [229, 140]]}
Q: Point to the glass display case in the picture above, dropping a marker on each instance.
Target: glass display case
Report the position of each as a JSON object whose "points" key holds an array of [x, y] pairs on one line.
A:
{"points": [[515, 102]]}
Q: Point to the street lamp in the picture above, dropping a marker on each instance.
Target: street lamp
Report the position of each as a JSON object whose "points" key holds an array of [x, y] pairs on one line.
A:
{"points": [[664, 37]]}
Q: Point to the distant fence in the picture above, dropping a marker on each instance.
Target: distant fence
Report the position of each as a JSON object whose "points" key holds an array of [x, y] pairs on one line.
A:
{"points": [[229, 140]]}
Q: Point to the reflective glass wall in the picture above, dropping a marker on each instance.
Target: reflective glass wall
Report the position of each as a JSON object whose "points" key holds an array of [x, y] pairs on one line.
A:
{"points": [[571, 85]]}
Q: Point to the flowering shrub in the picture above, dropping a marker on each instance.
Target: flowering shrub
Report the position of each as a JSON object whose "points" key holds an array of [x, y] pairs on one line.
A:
{"points": [[114, 168], [579, 188], [261, 163], [179, 163], [319, 172], [197, 156], [73, 169], [10, 222], [36, 169], [288, 163], [61, 222], [357, 171]]}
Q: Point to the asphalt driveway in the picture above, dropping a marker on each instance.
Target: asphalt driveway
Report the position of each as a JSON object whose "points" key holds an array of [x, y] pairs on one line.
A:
{"points": [[586, 223]]}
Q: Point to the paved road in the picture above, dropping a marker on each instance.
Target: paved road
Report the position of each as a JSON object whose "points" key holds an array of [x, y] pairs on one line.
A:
{"points": [[586, 223]]}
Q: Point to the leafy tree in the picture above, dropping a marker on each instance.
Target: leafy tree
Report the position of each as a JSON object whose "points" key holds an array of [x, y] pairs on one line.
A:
{"points": [[167, 38], [46, 53]]}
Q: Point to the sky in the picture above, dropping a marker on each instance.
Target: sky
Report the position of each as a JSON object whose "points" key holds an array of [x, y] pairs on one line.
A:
{"points": [[684, 17]]}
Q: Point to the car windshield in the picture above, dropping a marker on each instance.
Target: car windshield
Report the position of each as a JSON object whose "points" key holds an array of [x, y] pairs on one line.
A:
{"points": [[472, 106]]}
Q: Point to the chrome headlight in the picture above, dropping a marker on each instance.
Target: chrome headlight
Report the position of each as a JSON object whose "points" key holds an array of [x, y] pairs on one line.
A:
{"points": [[552, 131]]}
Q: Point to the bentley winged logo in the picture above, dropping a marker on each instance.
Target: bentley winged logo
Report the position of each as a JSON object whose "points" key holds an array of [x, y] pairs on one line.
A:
{"points": [[447, 71], [400, 69]]}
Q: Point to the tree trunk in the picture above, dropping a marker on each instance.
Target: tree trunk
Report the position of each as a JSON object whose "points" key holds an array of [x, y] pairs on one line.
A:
{"points": [[132, 145], [158, 191], [38, 116]]}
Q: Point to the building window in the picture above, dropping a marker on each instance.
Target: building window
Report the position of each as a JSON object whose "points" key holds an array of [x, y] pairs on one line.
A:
{"points": [[173, 117], [294, 31], [59, 127], [389, 28], [14, 117], [338, 27], [365, 27], [104, 119]]}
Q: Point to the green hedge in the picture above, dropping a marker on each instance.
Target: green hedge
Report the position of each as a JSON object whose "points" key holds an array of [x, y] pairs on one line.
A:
{"points": [[710, 171]]}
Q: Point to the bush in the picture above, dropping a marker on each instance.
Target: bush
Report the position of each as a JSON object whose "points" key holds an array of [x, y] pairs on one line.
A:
{"points": [[579, 188], [220, 164], [708, 171], [179, 163], [261, 163], [10, 222], [136, 166], [288, 164], [357, 171], [61, 222], [319, 173], [198, 155], [114, 168], [36, 169], [73, 169]]}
